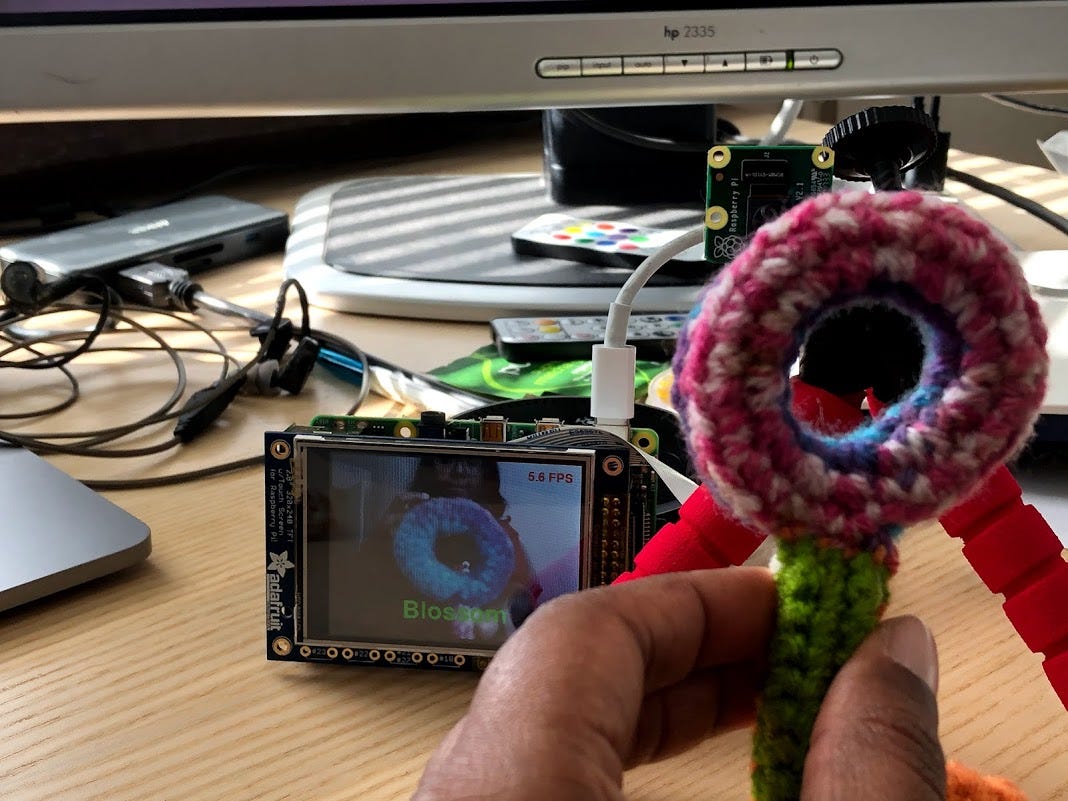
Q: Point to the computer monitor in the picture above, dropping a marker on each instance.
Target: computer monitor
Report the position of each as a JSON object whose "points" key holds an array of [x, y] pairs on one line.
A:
{"points": [[123, 58], [95, 59]]}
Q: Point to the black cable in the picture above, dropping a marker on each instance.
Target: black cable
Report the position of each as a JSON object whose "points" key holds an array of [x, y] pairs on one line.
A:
{"points": [[334, 342], [280, 307], [1000, 192], [100, 436], [280, 303], [66, 403], [361, 394], [86, 443], [116, 485], [108, 434], [1027, 105], [305, 312], [165, 412], [206, 405], [37, 446], [61, 359], [172, 288]]}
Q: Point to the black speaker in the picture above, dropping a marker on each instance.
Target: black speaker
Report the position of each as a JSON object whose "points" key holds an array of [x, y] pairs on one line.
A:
{"points": [[630, 156]]}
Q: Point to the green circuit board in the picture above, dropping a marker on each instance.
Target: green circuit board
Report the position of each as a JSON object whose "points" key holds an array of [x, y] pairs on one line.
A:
{"points": [[749, 185]]}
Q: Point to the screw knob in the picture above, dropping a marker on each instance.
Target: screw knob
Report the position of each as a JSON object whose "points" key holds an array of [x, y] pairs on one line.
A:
{"points": [[881, 143]]}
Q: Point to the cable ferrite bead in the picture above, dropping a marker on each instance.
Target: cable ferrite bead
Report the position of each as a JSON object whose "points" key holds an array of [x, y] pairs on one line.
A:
{"points": [[1014, 551]]}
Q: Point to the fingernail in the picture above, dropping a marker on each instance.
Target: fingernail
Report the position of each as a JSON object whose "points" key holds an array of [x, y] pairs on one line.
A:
{"points": [[909, 642]]}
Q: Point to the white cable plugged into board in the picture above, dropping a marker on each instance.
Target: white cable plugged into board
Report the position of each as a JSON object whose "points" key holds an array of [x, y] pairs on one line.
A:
{"points": [[612, 390]]}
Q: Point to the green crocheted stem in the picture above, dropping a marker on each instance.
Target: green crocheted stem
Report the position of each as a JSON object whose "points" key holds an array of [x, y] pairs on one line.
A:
{"points": [[828, 603]]}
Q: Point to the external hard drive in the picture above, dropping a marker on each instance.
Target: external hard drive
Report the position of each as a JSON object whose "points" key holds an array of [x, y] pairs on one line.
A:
{"points": [[192, 234]]}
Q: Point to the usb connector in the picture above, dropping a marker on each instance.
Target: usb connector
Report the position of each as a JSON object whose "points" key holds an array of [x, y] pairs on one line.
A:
{"points": [[157, 285]]}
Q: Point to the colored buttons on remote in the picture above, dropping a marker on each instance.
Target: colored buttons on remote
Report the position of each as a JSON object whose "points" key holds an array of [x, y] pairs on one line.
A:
{"points": [[602, 243], [602, 234]]}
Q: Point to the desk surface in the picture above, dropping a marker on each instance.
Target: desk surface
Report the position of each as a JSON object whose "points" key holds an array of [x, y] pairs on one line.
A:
{"points": [[153, 684]]}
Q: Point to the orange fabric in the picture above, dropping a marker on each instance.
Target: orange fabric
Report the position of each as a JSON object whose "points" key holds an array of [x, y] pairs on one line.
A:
{"points": [[964, 784]]}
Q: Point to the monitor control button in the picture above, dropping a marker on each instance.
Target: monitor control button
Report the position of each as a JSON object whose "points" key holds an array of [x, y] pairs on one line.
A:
{"points": [[673, 64], [817, 59], [688, 63], [724, 62], [643, 65], [765, 61], [559, 68], [604, 65]]}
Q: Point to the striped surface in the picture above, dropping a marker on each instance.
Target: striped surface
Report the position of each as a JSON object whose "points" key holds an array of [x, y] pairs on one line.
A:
{"points": [[458, 227]]}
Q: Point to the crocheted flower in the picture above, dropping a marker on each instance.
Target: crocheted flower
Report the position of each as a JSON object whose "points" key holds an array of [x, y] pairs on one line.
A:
{"points": [[982, 380], [835, 502]]}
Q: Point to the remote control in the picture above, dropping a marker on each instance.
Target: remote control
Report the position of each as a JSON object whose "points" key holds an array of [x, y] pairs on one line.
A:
{"points": [[603, 243], [547, 339]]}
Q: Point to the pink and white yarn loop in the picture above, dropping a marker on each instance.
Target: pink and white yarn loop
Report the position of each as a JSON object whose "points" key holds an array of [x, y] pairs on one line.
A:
{"points": [[982, 382]]}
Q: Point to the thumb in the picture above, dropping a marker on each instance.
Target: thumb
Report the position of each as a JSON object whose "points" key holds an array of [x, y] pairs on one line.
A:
{"points": [[876, 735]]}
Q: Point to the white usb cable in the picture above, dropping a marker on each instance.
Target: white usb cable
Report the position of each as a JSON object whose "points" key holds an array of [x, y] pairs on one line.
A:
{"points": [[612, 390]]}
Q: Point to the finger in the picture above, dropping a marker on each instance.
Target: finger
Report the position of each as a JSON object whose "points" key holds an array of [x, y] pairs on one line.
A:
{"points": [[876, 736], [593, 677], [637, 658], [683, 714]]}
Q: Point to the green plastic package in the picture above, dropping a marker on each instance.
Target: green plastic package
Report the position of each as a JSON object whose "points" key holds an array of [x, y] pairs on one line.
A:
{"points": [[486, 373]]}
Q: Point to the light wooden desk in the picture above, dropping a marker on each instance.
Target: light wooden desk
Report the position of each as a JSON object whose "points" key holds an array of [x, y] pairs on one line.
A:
{"points": [[153, 684]]}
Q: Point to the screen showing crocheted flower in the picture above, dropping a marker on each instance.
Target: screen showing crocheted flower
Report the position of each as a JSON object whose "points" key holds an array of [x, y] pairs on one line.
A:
{"points": [[451, 547]]}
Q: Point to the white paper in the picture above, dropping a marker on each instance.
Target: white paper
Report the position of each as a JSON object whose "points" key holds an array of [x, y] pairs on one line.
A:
{"points": [[1056, 150]]}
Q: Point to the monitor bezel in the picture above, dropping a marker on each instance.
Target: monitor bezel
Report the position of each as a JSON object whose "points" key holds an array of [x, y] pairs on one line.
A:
{"points": [[481, 63], [403, 10]]}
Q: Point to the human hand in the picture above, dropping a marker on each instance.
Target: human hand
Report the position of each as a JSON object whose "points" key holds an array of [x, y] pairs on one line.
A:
{"points": [[605, 679]]}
